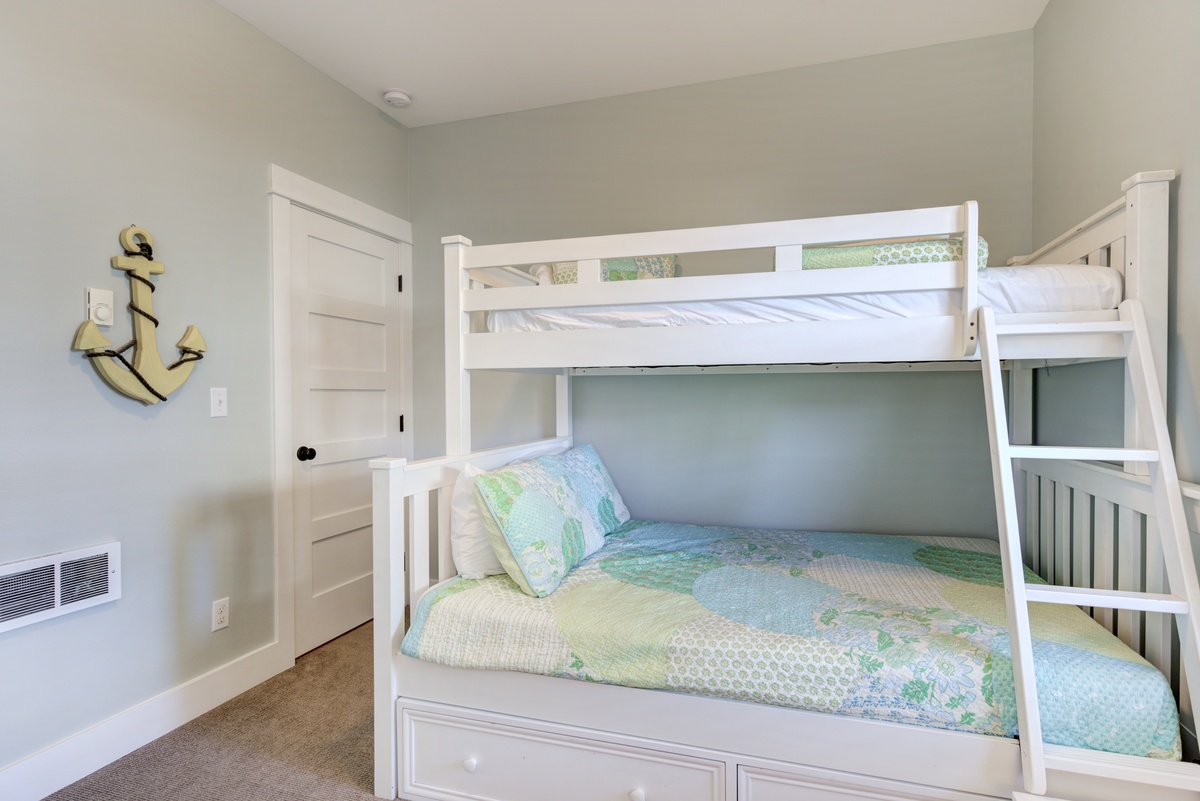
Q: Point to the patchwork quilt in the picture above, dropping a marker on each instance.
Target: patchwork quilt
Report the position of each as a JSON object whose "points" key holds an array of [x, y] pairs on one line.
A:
{"points": [[903, 629]]}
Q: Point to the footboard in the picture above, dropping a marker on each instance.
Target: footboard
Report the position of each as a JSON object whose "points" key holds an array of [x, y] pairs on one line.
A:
{"points": [[1088, 525], [411, 521]]}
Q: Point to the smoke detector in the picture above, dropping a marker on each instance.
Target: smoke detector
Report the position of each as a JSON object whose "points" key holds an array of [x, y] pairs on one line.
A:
{"points": [[397, 98]]}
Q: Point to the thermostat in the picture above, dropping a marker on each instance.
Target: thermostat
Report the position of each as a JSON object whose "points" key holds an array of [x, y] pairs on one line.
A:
{"points": [[100, 306]]}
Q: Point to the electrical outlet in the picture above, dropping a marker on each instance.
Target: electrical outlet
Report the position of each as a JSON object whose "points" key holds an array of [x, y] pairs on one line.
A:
{"points": [[220, 617]]}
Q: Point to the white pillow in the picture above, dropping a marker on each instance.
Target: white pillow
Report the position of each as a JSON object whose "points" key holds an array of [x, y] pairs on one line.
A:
{"points": [[469, 545]]}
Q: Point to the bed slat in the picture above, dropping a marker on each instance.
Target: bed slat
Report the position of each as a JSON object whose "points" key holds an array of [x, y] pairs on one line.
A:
{"points": [[1104, 543], [1158, 626], [1062, 534], [1046, 529], [1129, 573], [1081, 540], [445, 555], [418, 545]]}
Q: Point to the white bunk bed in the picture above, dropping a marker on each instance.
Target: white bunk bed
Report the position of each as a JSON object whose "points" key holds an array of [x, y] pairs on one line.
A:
{"points": [[1096, 529]]}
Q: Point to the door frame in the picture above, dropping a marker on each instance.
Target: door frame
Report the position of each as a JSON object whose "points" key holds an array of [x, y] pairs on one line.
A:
{"points": [[287, 189]]}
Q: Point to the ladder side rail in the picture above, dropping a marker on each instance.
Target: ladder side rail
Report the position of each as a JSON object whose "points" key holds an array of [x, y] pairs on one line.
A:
{"points": [[1033, 763], [1168, 500]]}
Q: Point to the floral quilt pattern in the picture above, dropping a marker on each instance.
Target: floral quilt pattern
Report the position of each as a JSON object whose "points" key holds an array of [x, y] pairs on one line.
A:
{"points": [[904, 629]]}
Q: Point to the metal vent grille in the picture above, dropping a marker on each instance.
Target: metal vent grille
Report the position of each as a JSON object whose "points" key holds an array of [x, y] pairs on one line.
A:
{"points": [[53, 585], [80, 579], [26, 593]]}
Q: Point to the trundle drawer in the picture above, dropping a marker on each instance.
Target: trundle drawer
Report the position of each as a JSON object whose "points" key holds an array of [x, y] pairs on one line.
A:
{"points": [[451, 757], [762, 784]]}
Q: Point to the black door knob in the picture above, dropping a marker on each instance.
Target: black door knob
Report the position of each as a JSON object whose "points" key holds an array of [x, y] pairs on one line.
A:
{"points": [[305, 453]]}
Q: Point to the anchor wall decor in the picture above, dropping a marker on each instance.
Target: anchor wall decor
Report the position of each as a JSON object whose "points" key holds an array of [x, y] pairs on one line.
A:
{"points": [[147, 379]]}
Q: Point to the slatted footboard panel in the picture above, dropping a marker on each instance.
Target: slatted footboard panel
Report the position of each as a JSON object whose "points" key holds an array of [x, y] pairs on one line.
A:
{"points": [[1087, 525], [412, 552]]}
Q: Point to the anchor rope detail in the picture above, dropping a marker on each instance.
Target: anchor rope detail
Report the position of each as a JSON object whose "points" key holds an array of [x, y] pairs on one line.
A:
{"points": [[189, 355], [133, 307], [117, 354], [145, 249]]}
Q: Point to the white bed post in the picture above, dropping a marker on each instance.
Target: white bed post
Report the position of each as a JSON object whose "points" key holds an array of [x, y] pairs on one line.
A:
{"points": [[562, 404], [1147, 203], [970, 298], [1020, 427], [388, 534], [458, 325]]}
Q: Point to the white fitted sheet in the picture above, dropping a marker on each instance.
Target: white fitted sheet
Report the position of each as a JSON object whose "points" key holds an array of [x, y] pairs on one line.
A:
{"points": [[1030, 288]]}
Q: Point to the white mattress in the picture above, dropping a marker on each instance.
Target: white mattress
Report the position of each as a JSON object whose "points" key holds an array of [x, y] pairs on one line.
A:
{"points": [[1031, 288]]}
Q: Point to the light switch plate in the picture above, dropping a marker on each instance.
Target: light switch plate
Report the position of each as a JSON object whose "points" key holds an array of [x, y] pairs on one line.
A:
{"points": [[100, 306], [219, 402]]}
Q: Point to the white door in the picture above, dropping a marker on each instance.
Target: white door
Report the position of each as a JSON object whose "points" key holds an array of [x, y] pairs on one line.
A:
{"points": [[346, 375]]}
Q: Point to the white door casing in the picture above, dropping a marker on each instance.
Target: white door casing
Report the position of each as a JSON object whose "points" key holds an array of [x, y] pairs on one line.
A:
{"points": [[343, 366]]}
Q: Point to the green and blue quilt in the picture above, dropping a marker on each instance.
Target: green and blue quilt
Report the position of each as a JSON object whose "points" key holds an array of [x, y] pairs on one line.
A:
{"points": [[903, 629]]}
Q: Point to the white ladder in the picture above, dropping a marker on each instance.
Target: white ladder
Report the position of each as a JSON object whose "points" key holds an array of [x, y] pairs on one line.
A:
{"points": [[1184, 591]]}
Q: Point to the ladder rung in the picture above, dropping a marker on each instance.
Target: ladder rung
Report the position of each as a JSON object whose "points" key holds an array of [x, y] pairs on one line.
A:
{"points": [[1101, 327], [1083, 454], [1106, 599]]}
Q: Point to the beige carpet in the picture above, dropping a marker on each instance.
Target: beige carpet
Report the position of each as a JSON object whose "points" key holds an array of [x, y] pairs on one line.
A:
{"points": [[305, 734]]}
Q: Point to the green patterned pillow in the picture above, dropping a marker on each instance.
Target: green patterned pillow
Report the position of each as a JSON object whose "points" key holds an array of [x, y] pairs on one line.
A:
{"points": [[546, 515], [567, 272], [888, 253]]}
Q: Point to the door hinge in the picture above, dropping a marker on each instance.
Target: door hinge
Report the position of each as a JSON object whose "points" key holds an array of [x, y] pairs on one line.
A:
{"points": [[401, 424], [399, 283]]}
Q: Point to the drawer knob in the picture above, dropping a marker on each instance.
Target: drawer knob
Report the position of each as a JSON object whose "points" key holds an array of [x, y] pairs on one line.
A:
{"points": [[637, 795], [469, 765]]}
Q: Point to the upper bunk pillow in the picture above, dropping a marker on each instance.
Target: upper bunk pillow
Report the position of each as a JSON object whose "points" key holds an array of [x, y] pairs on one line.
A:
{"points": [[870, 255], [546, 515], [469, 545], [635, 267]]}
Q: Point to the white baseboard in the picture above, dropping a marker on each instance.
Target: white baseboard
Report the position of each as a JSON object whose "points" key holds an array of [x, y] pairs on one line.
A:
{"points": [[82, 753]]}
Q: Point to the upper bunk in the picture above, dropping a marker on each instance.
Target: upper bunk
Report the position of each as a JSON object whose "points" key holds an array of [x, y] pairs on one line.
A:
{"points": [[894, 313]]}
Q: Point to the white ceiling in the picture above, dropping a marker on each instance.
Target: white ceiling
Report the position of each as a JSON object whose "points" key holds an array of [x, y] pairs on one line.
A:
{"points": [[471, 58]]}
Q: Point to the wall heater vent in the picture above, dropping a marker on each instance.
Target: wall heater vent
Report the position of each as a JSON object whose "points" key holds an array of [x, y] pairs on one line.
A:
{"points": [[53, 585]]}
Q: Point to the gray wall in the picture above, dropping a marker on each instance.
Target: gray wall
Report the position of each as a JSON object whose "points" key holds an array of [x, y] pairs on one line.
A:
{"points": [[926, 127], [166, 115], [1116, 88]]}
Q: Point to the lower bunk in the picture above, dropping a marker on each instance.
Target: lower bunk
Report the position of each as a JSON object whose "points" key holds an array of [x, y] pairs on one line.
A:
{"points": [[844, 666]]}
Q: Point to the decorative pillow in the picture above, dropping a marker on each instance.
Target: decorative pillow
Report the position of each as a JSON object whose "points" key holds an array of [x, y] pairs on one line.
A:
{"points": [[888, 253], [473, 554], [567, 272], [546, 515]]}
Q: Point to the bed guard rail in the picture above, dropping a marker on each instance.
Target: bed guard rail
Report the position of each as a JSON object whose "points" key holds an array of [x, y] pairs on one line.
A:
{"points": [[501, 269]]}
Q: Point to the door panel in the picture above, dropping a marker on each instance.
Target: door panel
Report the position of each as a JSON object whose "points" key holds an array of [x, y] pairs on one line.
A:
{"points": [[346, 340]]}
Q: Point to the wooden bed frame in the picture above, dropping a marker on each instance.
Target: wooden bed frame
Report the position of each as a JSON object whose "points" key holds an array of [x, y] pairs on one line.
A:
{"points": [[449, 733]]}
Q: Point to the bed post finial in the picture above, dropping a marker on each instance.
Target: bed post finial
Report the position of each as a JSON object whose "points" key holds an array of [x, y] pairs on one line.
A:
{"points": [[1153, 176], [458, 325]]}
